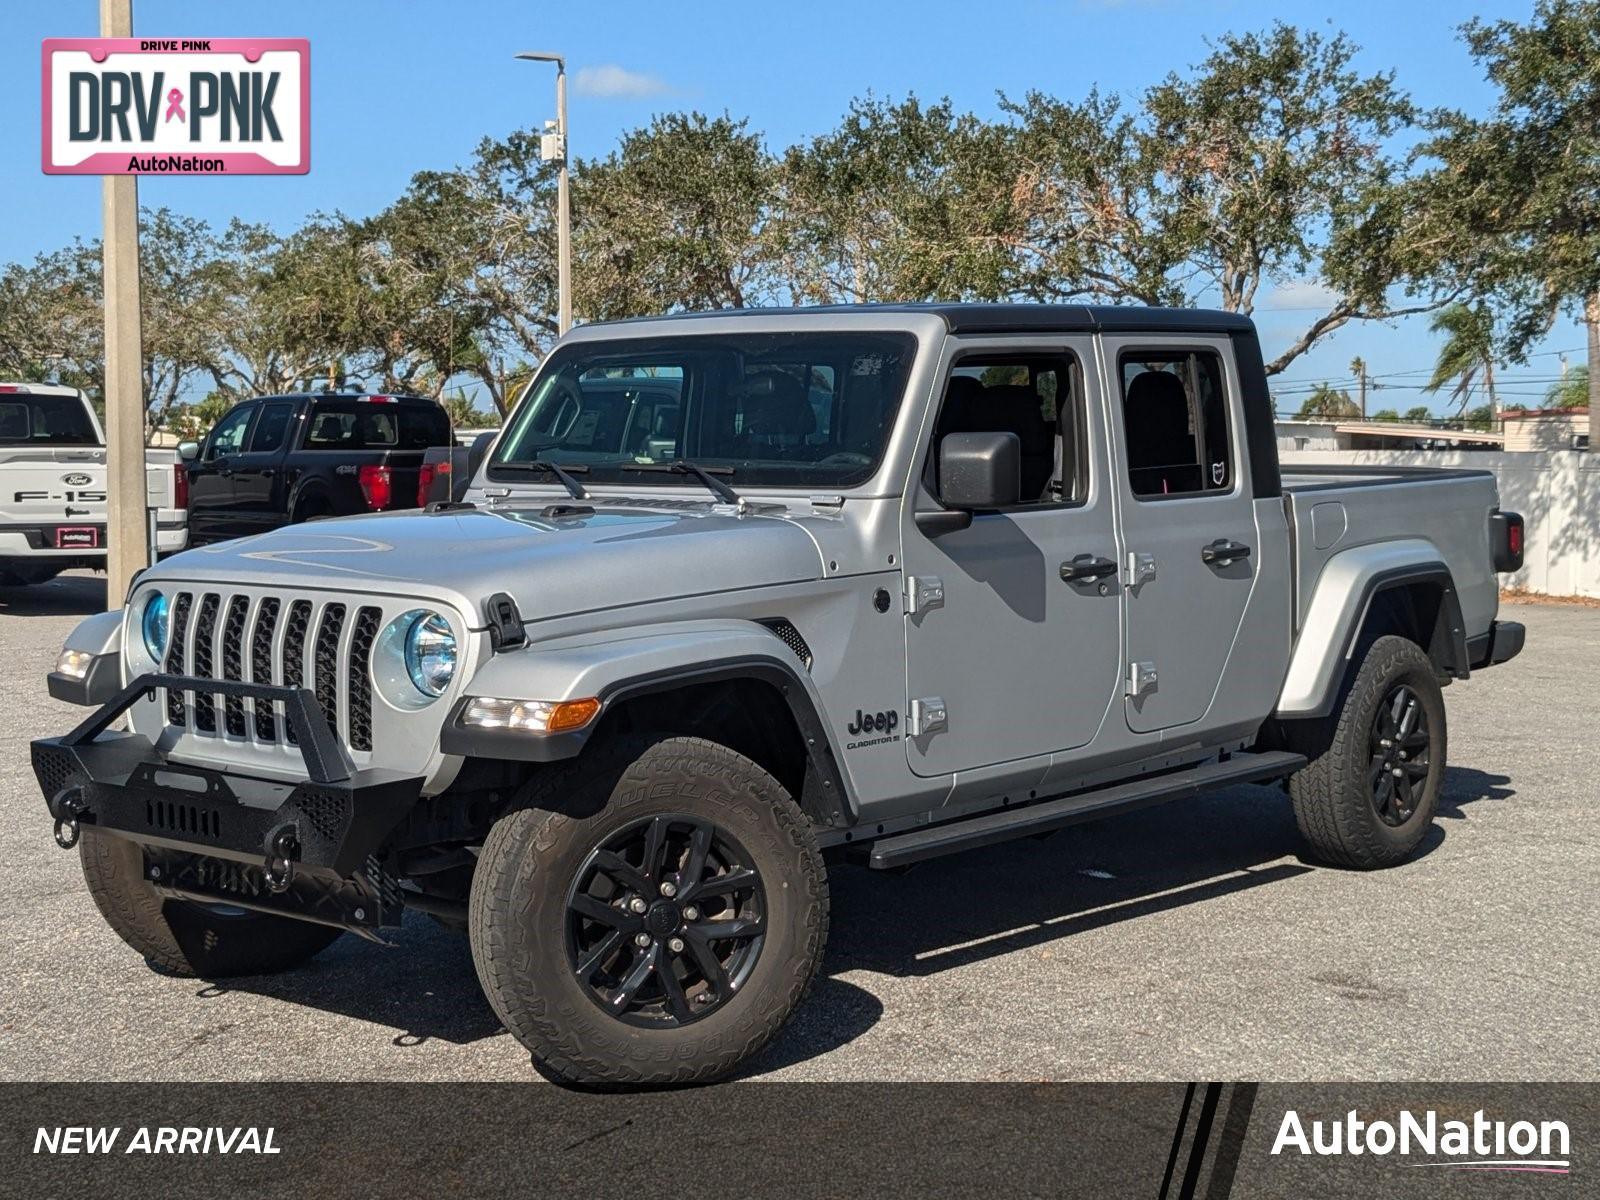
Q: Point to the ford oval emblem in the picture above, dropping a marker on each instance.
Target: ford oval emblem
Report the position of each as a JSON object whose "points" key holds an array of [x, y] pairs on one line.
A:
{"points": [[77, 479]]}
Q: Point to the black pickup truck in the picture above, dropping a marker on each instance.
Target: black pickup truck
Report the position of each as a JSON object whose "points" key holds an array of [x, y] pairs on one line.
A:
{"points": [[278, 460]]}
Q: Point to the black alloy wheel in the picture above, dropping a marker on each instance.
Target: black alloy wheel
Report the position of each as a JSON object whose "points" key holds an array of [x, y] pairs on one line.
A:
{"points": [[665, 921], [1400, 743]]}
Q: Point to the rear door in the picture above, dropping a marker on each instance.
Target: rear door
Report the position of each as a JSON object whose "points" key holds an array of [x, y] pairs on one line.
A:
{"points": [[1005, 659], [1188, 522], [213, 505]]}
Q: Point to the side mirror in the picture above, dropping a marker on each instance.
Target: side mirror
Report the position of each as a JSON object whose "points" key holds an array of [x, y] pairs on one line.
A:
{"points": [[188, 451], [976, 471], [980, 470]]}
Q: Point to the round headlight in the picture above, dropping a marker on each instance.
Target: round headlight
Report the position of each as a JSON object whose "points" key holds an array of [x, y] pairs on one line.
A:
{"points": [[430, 653], [154, 625]]}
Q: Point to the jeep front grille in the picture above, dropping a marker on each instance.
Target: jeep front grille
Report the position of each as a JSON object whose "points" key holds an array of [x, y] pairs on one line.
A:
{"points": [[270, 639]]}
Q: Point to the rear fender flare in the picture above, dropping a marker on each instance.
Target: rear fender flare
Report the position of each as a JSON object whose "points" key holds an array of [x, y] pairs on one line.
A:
{"points": [[1349, 585]]}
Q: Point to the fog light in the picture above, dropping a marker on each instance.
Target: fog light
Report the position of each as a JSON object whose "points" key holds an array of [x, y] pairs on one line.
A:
{"points": [[75, 663], [529, 716]]}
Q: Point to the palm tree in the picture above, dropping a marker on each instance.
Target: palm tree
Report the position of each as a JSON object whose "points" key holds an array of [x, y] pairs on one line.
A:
{"points": [[1467, 356], [1571, 392]]}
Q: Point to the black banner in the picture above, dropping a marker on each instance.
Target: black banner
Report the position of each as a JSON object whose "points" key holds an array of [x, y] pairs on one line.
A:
{"points": [[1170, 1141]]}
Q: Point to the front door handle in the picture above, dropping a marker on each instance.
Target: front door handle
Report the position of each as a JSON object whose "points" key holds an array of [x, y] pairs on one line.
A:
{"points": [[1223, 552], [1087, 567]]}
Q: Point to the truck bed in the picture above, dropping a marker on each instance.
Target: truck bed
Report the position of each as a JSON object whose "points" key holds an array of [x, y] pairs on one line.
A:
{"points": [[1335, 508]]}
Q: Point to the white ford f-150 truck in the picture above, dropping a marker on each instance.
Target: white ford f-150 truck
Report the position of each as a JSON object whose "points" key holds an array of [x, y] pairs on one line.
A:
{"points": [[735, 592], [53, 485]]}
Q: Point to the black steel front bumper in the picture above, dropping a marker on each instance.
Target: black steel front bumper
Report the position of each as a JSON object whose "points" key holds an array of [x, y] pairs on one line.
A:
{"points": [[310, 849]]}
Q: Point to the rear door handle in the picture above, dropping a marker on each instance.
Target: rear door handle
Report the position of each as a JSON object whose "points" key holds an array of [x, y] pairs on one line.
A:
{"points": [[1086, 567], [1223, 552]]}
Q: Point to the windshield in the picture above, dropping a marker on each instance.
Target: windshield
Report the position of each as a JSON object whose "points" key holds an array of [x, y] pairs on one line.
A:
{"points": [[45, 421], [791, 410]]}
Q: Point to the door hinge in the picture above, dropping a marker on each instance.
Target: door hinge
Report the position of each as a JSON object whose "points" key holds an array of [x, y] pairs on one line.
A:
{"points": [[1141, 677], [927, 715], [1140, 567], [923, 592]]}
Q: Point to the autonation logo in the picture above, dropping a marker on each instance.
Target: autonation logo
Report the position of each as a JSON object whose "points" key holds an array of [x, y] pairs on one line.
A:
{"points": [[1479, 1145]]}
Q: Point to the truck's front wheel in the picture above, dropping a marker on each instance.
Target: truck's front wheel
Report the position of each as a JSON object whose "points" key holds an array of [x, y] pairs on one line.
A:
{"points": [[653, 915], [185, 938], [1370, 791]]}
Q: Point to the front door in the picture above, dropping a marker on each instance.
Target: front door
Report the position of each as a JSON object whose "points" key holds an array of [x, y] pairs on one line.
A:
{"points": [[259, 497], [1188, 524], [1006, 660], [212, 511]]}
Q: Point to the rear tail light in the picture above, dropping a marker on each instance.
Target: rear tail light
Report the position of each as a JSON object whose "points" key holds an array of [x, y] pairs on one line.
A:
{"points": [[180, 486], [1506, 541], [377, 485], [425, 483]]}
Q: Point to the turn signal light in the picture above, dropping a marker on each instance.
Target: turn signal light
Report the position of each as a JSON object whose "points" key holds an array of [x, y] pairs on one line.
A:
{"points": [[530, 716]]}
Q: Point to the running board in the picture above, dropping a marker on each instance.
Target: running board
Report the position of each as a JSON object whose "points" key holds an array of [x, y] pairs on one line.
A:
{"points": [[990, 828]]}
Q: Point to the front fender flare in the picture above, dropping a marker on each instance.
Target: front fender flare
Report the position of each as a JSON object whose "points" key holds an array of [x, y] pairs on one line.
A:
{"points": [[620, 664], [1342, 597]]}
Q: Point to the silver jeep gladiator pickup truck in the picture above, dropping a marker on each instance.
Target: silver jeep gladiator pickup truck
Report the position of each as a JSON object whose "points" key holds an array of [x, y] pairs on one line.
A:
{"points": [[736, 592]]}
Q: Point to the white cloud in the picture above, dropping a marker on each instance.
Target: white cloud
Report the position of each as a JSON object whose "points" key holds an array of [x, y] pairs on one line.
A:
{"points": [[1302, 293], [613, 81]]}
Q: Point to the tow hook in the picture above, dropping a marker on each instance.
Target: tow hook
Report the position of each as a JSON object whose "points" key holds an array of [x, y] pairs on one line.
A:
{"points": [[278, 870], [68, 806]]}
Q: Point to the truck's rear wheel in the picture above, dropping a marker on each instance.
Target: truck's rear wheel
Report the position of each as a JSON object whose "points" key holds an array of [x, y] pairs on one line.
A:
{"points": [[185, 938], [653, 916], [1370, 791]]}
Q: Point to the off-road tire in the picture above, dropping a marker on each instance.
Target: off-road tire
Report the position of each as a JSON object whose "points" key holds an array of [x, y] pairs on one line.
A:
{"points": [[518, 910], [1332, 794], [182, 938]]}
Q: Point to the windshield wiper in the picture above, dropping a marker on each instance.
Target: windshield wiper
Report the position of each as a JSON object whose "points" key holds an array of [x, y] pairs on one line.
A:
{"points": [[563, 474], [682, 466]]}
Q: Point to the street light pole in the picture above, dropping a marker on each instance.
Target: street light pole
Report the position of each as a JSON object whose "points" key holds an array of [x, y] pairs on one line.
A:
{"points": [[563, 204], [127, 532]]}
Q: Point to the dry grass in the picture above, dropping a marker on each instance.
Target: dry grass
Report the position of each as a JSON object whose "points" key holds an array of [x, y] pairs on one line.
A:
{"points": [[1522, 596]]}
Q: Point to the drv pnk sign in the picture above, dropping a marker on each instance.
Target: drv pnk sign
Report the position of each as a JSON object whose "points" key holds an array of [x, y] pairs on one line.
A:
{"points": [[169, 106]]}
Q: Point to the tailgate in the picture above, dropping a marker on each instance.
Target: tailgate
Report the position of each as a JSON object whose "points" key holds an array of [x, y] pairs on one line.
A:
{"points": [[50, 486]]}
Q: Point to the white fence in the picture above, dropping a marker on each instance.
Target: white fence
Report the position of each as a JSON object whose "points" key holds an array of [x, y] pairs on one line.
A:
{"points": [[1556, 491]]}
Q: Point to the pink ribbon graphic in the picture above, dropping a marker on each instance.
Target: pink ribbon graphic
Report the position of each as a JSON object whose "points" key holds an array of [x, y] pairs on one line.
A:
{"points": [[175, 105]]}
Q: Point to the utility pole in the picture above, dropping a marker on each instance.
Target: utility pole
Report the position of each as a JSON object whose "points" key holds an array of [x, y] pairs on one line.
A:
{"points": [[556, 147], [127, 528]]}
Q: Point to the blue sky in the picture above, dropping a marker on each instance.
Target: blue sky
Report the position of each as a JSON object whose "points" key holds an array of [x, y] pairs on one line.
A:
{"points": [[403, 85]]}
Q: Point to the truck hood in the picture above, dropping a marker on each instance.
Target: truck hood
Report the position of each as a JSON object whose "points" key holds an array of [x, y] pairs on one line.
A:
{"points": [[550, 564]]}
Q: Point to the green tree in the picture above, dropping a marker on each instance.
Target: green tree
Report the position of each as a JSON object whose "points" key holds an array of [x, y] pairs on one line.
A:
{"points": [[466, 415], [1466, 360], [1570, 392], [1328, 403], [1518, 191], [1386, 414], [1419, 414], [674, 219]]}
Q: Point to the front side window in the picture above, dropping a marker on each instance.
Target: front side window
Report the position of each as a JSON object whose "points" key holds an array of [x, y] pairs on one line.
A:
{"points": [[1030, 395], [1175, 417], [228, 437], [791, 409]]}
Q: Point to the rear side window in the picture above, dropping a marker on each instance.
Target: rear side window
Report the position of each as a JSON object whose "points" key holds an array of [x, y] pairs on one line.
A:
{"points": [[44, 421], [365, 425], [1175, 417], [272, 428]]}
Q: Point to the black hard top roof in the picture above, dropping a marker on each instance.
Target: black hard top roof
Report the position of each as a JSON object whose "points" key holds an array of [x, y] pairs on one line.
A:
{"points": [[1010, 318]]}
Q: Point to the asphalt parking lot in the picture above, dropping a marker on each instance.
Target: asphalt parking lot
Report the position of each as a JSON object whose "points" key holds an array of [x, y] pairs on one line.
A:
{"points": [[1178, 943]]}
